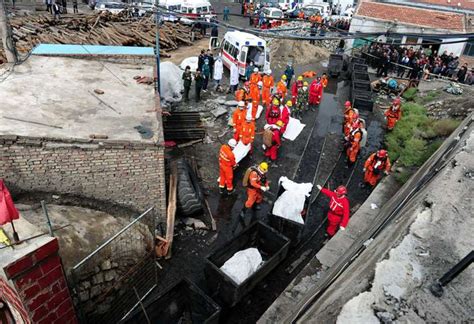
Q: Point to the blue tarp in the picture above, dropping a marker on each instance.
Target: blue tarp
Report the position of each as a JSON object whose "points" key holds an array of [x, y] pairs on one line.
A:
{"points": [[62, 49]]}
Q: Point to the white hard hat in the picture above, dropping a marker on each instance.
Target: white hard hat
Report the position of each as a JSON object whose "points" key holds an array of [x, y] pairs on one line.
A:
{"points": [[241, 104], [232, 142], [255, 69], [260, 83], [269, 71], [248, 118]]}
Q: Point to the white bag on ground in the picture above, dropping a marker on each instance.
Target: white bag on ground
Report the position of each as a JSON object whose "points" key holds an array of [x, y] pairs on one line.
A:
{"points": [[290, 204], [241, 151], [293, 129], [192, 62], [242, 265], [171, 82]]}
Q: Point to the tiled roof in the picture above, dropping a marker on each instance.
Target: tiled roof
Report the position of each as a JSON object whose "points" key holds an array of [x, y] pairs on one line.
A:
{"points": [[410, 15], [463, 4]]}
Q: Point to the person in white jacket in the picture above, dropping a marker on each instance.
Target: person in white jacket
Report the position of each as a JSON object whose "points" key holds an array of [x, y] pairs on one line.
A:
{"points": [[234, 78], [218, 71]]}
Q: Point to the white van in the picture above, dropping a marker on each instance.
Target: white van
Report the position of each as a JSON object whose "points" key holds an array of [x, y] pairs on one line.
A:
{"points": [[171, 5], [195, 9], [242, 48]]}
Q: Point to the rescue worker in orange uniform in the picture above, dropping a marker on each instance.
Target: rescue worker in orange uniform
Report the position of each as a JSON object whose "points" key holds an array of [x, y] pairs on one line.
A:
{"points": [[324, 80], [272, 114], [338, 214], [353, 142], [315, 92], [247, 132], [255, 77], [393, 114], [295, 87], [252, 109], [272, 151], [238, 118], [374, 166], [243, 93], [301, 14], [268, 84], [255, 92], [281, 87], [257, 184], [227, 165], [350, 115]]}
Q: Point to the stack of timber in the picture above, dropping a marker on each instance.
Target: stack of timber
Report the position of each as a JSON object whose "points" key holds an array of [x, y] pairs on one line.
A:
{"points": [[95, 29]]}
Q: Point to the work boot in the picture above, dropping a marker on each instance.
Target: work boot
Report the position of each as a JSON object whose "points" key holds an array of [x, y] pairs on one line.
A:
{"points": [[230, 192], [257, 207], [221, 191]]}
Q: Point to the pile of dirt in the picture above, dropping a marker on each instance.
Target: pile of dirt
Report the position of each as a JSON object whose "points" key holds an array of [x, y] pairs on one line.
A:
{"points": [[283, 51]]}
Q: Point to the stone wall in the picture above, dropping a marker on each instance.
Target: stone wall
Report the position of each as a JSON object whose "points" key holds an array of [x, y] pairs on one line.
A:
{"points": [[129, 174]]}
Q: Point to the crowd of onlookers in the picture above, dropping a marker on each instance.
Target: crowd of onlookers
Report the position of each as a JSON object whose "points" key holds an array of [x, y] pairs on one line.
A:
{"points": [[417, 63]]}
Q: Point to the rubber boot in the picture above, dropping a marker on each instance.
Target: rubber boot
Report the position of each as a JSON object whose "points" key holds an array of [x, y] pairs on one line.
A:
{"points": [[222, 191], [230, 192]]}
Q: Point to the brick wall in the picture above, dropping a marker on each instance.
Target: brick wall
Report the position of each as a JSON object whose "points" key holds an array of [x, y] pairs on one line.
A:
{"points": [[39, 280], [129, 174], [9, 295]]}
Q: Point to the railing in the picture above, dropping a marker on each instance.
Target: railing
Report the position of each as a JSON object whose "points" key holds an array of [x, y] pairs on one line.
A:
{"points": [[110, 281]]}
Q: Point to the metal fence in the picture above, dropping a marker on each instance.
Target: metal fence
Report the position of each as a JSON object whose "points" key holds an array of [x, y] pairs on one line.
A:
{"points": [[109, 282]]}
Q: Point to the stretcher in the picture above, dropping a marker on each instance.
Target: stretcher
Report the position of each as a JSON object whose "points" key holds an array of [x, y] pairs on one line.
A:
{"points": [[293, 129], [240, 151]]}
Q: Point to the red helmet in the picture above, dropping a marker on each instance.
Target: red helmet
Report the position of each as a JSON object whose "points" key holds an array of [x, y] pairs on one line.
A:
{"points": [[347, 104], [246, 84], [341, 190], [396, 101], [382, 154]]}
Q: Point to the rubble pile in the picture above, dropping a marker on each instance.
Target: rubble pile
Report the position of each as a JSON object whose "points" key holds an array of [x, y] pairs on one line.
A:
{"points": [[98, 29]]}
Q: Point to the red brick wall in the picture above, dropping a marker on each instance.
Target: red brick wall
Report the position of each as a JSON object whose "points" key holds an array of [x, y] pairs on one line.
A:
{"points": [[7, 294], [128, 174], [39, 280]]}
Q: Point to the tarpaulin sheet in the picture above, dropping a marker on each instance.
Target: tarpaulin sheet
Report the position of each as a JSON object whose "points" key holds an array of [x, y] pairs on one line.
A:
{"points": [[242, 264], [293, 129], [241, 151], [290, 203]]}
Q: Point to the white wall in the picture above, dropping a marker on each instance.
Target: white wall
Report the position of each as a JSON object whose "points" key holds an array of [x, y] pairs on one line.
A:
{"points": [[360, 24], [343, 3]]}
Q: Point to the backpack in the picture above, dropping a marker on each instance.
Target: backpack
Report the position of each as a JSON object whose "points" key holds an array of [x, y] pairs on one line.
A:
{"points": [[245, 180]]}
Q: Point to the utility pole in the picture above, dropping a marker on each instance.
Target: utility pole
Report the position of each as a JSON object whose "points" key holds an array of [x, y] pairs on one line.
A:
{"points": [[157, 46], [6, 34]]}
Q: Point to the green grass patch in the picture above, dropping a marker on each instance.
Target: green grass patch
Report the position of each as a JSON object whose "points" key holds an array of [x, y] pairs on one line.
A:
{"points": [[402, 177], [410, 94], [416, 137], [429, 97]]}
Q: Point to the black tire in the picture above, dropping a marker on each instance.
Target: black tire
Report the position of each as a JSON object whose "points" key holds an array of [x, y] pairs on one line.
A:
{"points": [[189, 195]]}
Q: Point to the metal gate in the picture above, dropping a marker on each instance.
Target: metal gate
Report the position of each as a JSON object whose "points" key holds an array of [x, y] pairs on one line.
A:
{"points": [[109, 282]]}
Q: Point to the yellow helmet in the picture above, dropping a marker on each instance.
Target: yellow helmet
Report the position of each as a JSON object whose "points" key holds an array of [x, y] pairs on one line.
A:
{"points": [[283, 77], [279, 123], [300, 78], [305, 83], [289, 103], [263, 166], [276, 101]]}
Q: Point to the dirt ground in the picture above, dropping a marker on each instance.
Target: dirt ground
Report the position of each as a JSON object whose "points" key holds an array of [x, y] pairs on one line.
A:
{"points": [[439, 237]]}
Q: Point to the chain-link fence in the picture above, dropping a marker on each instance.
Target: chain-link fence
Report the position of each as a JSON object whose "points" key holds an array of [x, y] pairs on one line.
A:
{"points": [[109, 282]]}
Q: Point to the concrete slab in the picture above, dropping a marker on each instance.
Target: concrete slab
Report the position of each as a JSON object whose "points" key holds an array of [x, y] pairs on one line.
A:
{"points": [[54, 97]]}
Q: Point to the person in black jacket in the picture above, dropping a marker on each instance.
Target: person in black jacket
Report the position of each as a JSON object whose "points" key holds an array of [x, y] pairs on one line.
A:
{"points": [[187, 79], [201, 59], [198, 82], [214, 36]]}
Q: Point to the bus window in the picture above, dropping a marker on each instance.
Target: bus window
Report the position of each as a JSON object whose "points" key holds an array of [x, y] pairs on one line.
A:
{"points": [[204, 9], [226, 46], [234, 52], [184, 9], [198, 10]]}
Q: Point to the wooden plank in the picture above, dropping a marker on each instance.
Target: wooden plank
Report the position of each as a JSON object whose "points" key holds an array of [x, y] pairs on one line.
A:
{"points": [[171, 210]]}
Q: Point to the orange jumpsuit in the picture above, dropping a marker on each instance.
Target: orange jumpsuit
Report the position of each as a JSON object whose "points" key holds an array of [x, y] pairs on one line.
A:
{"points": [[238, 118], [254, 93], [324, 81], [241, 95], [281, 87], [354, 145], [247, 132], [255, 77], [268, 84], [226, 167], [393, 116], [254, 193], [254, 109], [301, 14], [348, 119], [374, 167]]}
